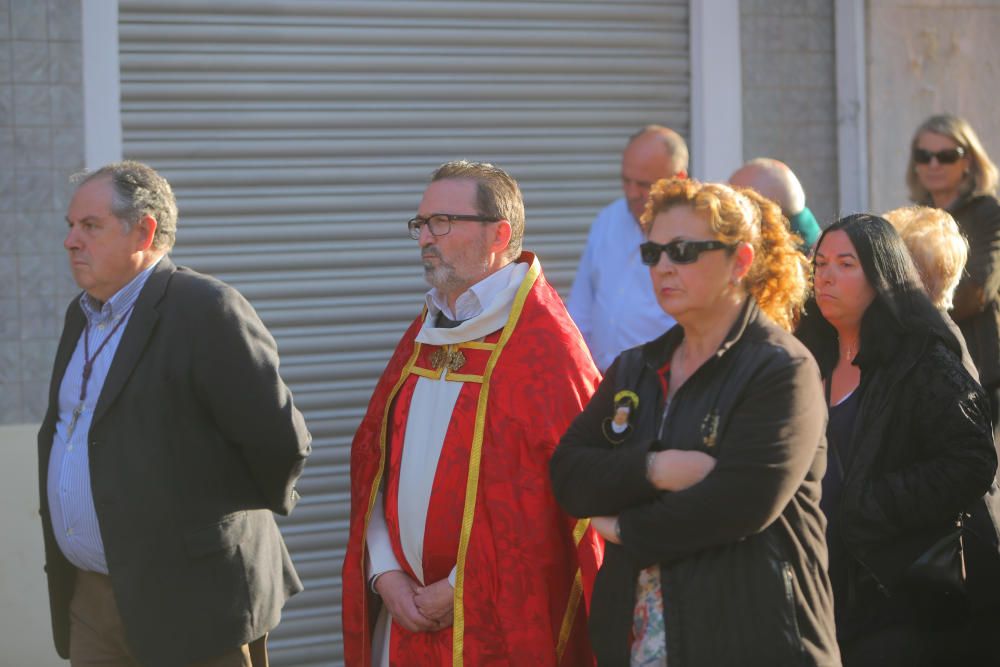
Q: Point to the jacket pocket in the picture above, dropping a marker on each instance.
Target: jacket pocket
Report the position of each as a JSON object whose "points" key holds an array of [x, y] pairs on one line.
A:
{"points": [[224, 535], [787, 573]]}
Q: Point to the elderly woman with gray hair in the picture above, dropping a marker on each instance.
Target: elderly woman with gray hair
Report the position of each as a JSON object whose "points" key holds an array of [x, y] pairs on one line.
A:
{"points": [[939, 251]]}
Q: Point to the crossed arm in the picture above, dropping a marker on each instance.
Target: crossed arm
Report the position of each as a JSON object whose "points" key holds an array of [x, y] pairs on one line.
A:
{"points": [[687, 503]]}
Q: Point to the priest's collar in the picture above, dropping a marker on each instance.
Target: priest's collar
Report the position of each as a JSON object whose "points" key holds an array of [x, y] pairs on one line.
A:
{"points": [[472, 301]]}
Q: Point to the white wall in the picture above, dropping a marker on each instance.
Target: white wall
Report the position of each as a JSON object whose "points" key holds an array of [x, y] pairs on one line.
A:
{"points": [[716, 143], [926, 58], [790, 94], [25, 629]]}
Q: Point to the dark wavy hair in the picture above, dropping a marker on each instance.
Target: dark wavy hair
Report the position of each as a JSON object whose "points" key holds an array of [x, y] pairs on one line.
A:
{"points": [[900, 309]]}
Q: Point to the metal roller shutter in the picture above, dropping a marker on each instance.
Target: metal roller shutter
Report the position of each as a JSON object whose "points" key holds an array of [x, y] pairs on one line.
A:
{"points": [[299, 134]]}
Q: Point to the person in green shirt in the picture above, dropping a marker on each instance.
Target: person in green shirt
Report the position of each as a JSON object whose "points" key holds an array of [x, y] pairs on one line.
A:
{"points": [[777, 182]]}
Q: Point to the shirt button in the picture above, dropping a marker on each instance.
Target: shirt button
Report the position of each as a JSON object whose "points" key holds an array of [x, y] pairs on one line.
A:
{"points": [[69, 532], [101, 326]]}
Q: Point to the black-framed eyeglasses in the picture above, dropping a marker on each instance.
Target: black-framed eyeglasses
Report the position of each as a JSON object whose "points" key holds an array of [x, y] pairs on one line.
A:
{"points": [[947, 156], [439, 224], [679, 251]]}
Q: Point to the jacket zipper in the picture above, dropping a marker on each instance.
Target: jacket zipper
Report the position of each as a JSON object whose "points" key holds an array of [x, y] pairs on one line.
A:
{"points": [[789, 579]]}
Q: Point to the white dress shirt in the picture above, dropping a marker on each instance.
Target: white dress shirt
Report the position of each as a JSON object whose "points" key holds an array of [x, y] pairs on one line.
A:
{"points": [[612, 300], [71, 501]]}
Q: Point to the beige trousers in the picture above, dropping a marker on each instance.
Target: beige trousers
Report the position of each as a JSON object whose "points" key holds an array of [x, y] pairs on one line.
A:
{"points": [[97, 634]]}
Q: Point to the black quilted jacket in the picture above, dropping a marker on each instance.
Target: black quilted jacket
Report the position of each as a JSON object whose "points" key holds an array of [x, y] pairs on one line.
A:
{"points": [[923, 453]]}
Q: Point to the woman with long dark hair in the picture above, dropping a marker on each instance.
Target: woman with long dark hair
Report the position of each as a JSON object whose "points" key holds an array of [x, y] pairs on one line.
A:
{"points": [[910, 447]]}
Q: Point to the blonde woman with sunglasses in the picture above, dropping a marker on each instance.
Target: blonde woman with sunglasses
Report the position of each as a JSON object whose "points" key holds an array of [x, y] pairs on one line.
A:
{"points": [[949, 169]]}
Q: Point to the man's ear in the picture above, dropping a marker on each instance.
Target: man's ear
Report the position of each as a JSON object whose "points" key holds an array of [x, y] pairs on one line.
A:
{"points": [[147, 230], [502, 236]]}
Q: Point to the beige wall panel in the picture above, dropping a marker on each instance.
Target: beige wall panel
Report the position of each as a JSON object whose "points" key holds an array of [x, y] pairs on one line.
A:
{"points": [[25, 628], [926, 58]]}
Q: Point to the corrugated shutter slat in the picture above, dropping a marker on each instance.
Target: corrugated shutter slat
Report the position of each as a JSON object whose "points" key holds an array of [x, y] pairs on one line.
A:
{"points": [[299, 134]]}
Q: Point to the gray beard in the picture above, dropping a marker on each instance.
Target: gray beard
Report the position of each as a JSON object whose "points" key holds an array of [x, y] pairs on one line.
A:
{"points": [[444, 278]]}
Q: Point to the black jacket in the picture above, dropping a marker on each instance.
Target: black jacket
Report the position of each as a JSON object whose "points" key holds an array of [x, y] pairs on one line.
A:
{"points": [[742, 553], [979, 219], [195, 443], [923, 453]]}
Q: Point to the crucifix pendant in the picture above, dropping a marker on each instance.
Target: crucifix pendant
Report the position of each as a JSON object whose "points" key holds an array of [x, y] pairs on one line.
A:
{"points": [[448, 357], [76, 415]]}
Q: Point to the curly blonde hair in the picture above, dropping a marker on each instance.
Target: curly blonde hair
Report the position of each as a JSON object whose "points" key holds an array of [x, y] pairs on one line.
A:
{"points": [[778, 278], [937, 246]]}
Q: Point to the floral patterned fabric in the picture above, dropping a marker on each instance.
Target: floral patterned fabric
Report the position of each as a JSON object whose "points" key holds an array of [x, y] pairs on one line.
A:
{"points": [[649, 646], [518, 575]]}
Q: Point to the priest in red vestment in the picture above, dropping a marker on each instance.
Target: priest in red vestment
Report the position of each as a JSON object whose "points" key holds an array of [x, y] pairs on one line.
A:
{"points": [[458, 553]]}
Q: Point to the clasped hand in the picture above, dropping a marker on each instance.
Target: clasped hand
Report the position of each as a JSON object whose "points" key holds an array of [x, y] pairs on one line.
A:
{"points": [[417, 608]]}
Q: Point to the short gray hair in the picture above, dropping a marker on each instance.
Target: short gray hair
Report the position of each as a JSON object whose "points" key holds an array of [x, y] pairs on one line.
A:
{"points": [[138, 190]]}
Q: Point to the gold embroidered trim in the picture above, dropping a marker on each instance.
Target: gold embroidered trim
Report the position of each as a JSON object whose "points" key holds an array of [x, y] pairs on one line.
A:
{"points": [[426, 372], [461, 377], [569, 618], [478, 345], [475, 458]]}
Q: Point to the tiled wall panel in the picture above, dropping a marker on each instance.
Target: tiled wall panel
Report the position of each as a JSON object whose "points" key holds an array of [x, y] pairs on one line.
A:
{"points": [[789, 93], [41, 145]]}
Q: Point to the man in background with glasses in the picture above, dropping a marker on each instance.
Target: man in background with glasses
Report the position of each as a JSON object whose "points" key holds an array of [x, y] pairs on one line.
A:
{"points": [[457, 550], [612, 298]]}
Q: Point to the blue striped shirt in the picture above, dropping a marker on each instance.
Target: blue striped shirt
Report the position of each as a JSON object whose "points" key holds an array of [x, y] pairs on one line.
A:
{"points": [[71, 502]]}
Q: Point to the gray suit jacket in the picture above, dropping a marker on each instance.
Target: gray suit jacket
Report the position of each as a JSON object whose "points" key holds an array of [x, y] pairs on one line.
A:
{"points": [[195, 442]]}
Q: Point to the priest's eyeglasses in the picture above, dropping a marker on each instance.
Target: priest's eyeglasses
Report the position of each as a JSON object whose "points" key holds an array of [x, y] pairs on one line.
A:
{"points": [[439, 224], [679, 251]]}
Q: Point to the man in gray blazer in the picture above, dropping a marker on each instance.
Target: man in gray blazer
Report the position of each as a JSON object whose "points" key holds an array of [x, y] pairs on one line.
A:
{"points": [[169, 442]]}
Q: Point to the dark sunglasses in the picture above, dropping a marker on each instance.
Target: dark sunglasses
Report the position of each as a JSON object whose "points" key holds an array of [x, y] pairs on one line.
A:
{"points": [[947, 156], [679, 252]]}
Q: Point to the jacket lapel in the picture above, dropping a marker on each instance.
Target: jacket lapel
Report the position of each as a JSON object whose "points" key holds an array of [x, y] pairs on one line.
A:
{"points": [[137, 332], [75, 321]]}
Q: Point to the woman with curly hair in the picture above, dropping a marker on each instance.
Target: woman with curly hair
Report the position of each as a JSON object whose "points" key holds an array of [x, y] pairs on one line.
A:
{"points": [[708, 498], [911, 451]]}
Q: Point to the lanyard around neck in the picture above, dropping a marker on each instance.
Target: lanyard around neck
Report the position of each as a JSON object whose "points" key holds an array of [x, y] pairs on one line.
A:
{"points": [[88, 359]]}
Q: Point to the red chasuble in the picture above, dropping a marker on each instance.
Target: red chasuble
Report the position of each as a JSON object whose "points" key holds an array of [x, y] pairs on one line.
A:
{"points": [[524, 568]]}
